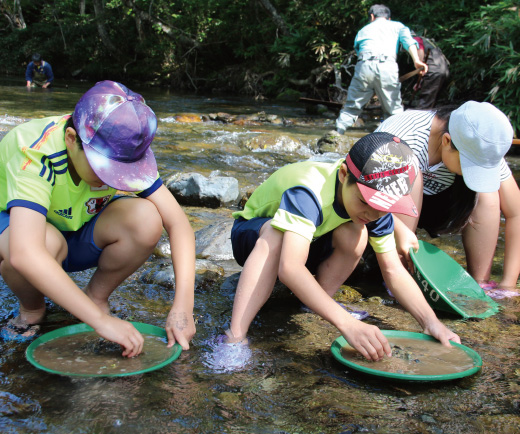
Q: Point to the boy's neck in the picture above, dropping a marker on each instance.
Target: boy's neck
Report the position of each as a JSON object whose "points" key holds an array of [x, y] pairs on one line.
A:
{"points": [[72, 171]]}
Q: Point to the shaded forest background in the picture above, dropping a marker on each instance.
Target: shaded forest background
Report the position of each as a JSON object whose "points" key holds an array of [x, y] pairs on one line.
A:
{"points": [[262, 48]]}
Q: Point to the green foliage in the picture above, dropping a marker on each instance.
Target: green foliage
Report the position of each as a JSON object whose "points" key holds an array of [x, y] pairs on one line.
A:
{"points": [[242, 46]]}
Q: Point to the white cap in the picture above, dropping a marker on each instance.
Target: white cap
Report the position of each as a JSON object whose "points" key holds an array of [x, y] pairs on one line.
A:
{"points": [[482, 134]]}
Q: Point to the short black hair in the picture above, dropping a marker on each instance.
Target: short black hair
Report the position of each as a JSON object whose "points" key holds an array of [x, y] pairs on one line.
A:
{"points": [[380, 11], [36, 57]]}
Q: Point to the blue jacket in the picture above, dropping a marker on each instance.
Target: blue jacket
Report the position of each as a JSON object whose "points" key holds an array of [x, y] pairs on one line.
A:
{"points": [[44, 68]]}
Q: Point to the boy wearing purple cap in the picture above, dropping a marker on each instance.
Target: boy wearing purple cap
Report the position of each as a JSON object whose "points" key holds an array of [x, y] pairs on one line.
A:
{"points": [[308, 224], [58, 214]]}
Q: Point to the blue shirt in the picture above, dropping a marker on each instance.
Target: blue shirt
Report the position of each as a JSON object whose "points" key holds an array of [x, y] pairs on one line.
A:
{"points": [[382, 37], [43, 69]]}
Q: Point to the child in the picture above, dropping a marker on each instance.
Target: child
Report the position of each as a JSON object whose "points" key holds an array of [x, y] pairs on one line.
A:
{"points": [[470, 142], [58, 178], [315, 218]]}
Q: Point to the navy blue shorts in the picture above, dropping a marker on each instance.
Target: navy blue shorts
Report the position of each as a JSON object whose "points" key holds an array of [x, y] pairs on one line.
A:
{"points": [[82, 250], [245, 233]]}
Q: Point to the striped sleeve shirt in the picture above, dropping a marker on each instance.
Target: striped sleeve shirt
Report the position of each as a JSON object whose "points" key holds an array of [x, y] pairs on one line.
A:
{"points": [[414, 127]]}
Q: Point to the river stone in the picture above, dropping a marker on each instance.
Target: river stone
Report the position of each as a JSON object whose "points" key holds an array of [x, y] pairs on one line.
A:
{"points": [[274, 142], [194, 189], [206, 274], [222, 117], [335, 142], [214, 241], [347, 294], [188, 118], [163, 248]]}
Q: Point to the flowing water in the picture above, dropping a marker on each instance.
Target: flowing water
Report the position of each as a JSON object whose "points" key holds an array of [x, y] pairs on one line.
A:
{"points": [[286, 381]]}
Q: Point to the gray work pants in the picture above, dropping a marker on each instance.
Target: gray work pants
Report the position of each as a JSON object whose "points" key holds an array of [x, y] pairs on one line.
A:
{"points": [[381, 77]]}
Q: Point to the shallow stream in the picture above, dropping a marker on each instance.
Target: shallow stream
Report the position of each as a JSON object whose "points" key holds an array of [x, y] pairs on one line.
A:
{"points": [[291, 383]]}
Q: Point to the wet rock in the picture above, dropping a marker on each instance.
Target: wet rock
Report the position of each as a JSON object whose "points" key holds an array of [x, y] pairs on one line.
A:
{"points": [[206, 274], [376, 299], [274, 142], [335, 142], [251, 119], [222, 117], [13, 405], [214, 241], [160, 274], [347, 294], [245, 197], [163, 248], [204, 267], [188, 118], [194, 189]]}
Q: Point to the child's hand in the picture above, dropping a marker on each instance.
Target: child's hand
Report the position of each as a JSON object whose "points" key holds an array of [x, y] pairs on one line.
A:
{"points": [[440, 332], [405, 239], [368, 340], [180, 328], [122, 333]]}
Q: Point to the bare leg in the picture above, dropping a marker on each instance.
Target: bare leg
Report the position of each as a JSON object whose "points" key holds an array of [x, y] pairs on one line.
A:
{"points": [[256, 281], [349, 242], [32, 301], [480, 236], [127, 231]]}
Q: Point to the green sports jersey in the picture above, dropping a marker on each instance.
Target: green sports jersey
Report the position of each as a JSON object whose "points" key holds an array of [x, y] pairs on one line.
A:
{"points": [[34, 174], [301, 198]]}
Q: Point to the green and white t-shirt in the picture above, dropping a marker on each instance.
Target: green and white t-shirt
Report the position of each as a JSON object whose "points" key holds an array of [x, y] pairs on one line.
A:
{"points": [[34, 174], [301, 198]]}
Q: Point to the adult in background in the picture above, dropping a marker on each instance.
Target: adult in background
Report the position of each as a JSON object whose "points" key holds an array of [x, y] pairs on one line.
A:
{"points": [[465, 184], [39, 72], [430, 85], [376, 71]]}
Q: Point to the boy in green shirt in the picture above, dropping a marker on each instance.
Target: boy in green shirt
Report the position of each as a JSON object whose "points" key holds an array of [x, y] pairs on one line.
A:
{"points": [[308, 225], [58, 214]]}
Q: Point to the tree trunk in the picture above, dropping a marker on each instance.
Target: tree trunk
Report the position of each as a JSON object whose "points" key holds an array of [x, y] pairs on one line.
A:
{"points": [[13, 14], [275, 16], [102, 31], [171, 32]]}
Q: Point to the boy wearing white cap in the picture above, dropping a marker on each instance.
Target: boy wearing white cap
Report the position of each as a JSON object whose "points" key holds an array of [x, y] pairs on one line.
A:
{"points": [[308, 225], [59, 213], [465, 183]]}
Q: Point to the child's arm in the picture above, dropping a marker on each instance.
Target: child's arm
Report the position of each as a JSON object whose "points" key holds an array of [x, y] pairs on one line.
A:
{"points": [[405, 239], [30, 257], [365, 338], [510, 206], [405, 226], [180, 325], [409, 295]]}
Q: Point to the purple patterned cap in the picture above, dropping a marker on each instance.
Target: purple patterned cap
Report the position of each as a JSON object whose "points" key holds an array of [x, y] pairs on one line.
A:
{"points": [[116, 128]]}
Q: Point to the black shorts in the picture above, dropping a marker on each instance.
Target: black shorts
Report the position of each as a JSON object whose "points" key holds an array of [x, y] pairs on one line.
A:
{"points": [[245, 233]]}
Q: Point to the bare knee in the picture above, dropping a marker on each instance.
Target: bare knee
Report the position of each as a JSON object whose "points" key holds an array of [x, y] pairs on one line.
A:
{"points": [[145, 223], [133, 220], [55, 244], [350, 239], [270, 239]]}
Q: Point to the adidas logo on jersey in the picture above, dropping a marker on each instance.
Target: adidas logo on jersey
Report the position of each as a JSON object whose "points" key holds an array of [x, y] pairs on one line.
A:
{"points": [[67, 213]]}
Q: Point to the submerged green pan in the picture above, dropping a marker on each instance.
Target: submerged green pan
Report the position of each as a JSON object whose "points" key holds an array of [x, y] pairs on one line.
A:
{"points": [[447, 286], [145, 329], [340, 342]]}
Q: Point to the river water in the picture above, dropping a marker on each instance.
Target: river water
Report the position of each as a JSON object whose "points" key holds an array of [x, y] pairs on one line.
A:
{"points": [[290, 383]]}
